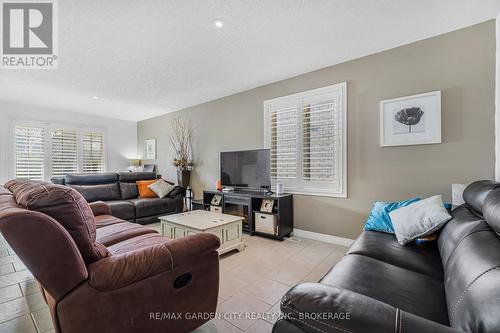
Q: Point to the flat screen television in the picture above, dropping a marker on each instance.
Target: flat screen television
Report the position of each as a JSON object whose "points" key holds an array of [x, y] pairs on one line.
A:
{"points": [[246, 169]]}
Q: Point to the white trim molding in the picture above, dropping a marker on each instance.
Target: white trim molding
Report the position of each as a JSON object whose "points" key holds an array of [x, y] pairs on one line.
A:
{"points": [[323, 237], [497, 103]]}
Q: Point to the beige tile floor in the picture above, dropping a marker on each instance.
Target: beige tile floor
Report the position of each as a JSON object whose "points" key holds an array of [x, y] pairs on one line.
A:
{"points": [[251, 285]]}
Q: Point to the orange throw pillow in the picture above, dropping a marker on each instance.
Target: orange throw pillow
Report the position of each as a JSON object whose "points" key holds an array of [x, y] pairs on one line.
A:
{"points": [[144, 191]]}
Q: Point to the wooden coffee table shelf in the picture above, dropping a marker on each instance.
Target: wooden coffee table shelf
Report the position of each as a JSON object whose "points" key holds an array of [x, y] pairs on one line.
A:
{"points": [[227, 228]]}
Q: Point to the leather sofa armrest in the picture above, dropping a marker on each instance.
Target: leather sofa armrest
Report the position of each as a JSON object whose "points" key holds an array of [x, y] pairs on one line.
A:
{"points": [[316, 307], [100, 208], [117, 271]]}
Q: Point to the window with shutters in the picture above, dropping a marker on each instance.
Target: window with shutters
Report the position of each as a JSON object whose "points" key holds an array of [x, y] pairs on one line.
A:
{"points": [[93, 152], [44, 150], [64, 156], [306, 133], [29, 152]]}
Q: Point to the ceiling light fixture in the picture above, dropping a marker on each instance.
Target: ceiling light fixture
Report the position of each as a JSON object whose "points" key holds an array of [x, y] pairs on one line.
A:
{"points": [[218, 23], [95, 97]]}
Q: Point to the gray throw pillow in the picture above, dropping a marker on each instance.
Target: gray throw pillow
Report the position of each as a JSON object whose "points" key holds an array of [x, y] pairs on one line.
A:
{"points": [[161, 188], [419, 219]]}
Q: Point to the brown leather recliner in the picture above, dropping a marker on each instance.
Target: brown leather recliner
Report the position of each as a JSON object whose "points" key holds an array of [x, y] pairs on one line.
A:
{"points": [[102, 274]]}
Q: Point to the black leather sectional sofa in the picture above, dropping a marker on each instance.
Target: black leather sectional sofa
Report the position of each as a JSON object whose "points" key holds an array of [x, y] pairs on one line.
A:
{"points": [[448, 286], [119, 191]]}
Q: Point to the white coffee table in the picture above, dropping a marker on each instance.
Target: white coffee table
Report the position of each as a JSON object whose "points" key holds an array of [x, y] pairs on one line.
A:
{"points": [[226, 227]]}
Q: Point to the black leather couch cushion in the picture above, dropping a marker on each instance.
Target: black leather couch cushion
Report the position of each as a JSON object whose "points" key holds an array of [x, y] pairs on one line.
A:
{"points": [[472, 283], [149, 219], [122, 209], [104, 192], [91, 179], [153, 206], [132, 177], [57, 180], [463, 223], [475, 194], [413, 292], [418, 258], [470, 252], [129, 190], [491, 210]]}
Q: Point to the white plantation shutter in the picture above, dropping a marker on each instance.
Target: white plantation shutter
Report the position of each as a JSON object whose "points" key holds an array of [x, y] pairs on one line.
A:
{"points": [[43, 150], [93, 152], [283, 138], [307, 139], [29, 152], [64, 148]]}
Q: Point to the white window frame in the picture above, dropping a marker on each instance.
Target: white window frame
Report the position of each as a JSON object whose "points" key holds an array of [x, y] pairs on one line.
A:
{"points": [[298, 186], [48, 127]]}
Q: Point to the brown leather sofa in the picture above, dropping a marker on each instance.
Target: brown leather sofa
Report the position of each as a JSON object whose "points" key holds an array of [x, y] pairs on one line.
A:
{"points": [[99, 273]]}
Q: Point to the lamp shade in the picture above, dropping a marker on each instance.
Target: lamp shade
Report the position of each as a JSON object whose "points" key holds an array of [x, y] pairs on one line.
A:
{"points": [[134, 162]]}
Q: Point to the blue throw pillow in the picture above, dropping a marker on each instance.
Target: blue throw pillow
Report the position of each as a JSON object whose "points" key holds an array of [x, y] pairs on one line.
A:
{"points": [[379, 219]]}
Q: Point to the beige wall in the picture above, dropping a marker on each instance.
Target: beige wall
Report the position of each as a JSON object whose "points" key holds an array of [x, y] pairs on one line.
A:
{"points": [[461, 64]]}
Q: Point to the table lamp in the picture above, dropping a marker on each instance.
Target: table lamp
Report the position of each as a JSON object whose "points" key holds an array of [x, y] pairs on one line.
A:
{"points": [[134, 163]]}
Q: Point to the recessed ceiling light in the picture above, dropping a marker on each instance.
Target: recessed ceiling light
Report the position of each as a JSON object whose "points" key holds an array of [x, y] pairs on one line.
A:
{"points": [[218, 23], [95, 97]]}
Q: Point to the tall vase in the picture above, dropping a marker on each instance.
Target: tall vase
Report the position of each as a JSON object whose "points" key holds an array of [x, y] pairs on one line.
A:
{"points": [[183, 178]]}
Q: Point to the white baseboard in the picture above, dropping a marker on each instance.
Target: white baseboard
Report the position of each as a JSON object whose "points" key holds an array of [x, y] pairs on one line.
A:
{"points": [[323, 237]]}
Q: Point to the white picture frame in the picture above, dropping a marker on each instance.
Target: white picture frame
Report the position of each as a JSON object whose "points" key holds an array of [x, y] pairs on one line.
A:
{"points": [[150, 149], [411, 120]]}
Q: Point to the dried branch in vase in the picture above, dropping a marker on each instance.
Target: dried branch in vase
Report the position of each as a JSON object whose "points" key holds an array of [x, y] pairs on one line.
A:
{"points": [[181, 141]]}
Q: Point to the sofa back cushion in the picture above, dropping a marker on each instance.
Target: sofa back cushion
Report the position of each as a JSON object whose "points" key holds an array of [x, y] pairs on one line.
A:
{"points": [[95, 187], [102, 192], [128, 186], [491, 210], [475, 194], [66, 206], [470, 252], [132, 177], [128, 190], [90, 179], [46, 249], [6, 199]]}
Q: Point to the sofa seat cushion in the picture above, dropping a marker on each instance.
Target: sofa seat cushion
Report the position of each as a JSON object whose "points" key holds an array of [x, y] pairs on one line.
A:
{"points": [[105, 220], [410, 291], [147, 220], [385, 247], [137, 243], [153, 206], [122, 209], [121, 231]]}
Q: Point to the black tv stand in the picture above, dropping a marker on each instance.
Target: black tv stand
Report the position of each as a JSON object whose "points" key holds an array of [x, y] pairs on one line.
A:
{"points": [[246, 203], [249, 191]]}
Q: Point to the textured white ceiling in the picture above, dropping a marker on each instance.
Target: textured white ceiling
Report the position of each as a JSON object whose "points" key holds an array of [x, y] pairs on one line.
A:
{"points": [[146, 58]]}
